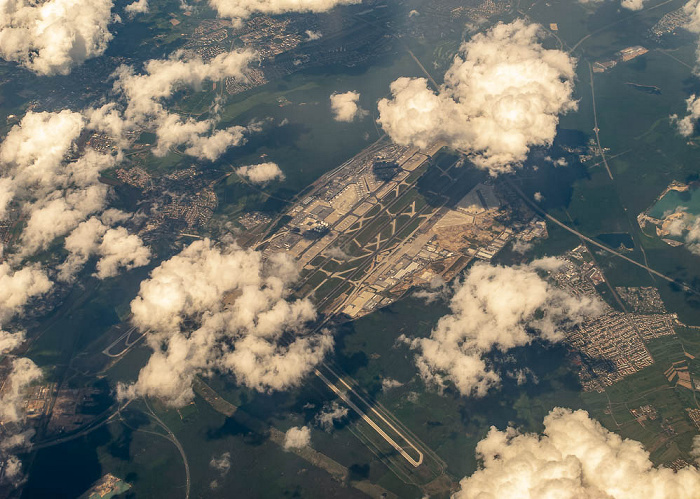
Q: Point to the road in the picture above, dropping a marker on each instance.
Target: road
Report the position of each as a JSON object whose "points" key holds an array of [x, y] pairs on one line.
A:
{"points": [[608, 26], [596, 243], [90, 427], [171, 436], [595, 127], [117, 414]]}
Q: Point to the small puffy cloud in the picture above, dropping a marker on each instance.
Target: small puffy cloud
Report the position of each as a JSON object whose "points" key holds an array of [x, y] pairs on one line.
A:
{"points": [[142, 98], [390, 383], [686, 124], [81, 244], [53, 36], [23, 373], [345, 108], [137, 7], [313, 35], [12, 401], [261, 173], [54, 193], [337, 253], [687, 228], [331, 414], [200, 140], [495, 308], [521, 375], [692, 10], [522, 247], [116, 249], [59, 214], [557, 161], [120, 250], [574, 458], [13, 469], [33, 152], [501, 96], [297, 437], [161, 78], [222, 464], [223, 309], [10, 341], [17, 287], [632, 4], [437, 288], [242, 9]]}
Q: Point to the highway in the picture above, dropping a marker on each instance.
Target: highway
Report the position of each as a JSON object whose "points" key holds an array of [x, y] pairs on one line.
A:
{"points": [[171, 436], [608, 26], [549, 217], [99, 422], [596, 130]]}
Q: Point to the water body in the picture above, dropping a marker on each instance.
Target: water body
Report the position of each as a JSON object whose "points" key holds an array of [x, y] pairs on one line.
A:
{"points": [[688, 200]]}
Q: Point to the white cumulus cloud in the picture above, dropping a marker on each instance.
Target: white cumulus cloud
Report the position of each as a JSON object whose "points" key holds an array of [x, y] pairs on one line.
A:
{"points": [[390, 383], [23, 372], [9, 341], [54, 192], [502, 95], [686, 124], [52, 36], [574, 458], [12, 401], [137, 7], [225, 309], [297, 437], [495, 308], [115, 247], [142, 99], [261, 173], [692, 10], [632, 4], [687, 228], [331, 414], [17, 288], [222, 464], [242, 9], [345, 107], [54, 186]]}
